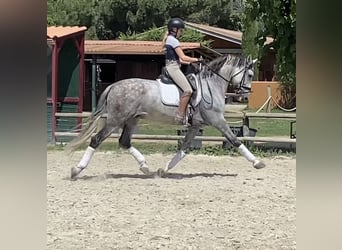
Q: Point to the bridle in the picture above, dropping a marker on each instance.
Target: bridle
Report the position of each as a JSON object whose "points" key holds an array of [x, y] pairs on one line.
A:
{"points": [[241, 89]]}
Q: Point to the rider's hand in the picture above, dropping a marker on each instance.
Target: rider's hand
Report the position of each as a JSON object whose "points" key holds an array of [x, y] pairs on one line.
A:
{"points": [[200, 60]]}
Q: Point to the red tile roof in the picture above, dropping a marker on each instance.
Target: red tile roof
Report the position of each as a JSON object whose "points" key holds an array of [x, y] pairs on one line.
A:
{"points": [[61, 31], [130, 47]]}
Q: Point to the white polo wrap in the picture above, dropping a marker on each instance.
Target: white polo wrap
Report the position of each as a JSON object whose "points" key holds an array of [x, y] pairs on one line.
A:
{"points": [[246, 153], [86, 157], [137, 155]]}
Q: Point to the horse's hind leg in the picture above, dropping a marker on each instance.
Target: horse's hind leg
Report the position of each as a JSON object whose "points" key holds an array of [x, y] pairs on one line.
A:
{"points": [[96, 140], [125, 142]]}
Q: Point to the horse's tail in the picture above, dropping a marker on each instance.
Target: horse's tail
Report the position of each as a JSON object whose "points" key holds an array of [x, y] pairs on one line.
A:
{"points": [[91, 123]]}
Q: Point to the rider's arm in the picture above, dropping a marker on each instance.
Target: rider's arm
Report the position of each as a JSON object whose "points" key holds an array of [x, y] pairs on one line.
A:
{"points": [[183, 62], [185, 58]]}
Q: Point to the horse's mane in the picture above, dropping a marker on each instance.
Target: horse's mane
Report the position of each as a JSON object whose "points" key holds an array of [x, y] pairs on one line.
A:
{"points": [[216, 64]]}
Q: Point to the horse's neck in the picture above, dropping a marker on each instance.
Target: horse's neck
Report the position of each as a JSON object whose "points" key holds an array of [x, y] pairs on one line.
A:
{"points": [[216, 82], [212, 87]]}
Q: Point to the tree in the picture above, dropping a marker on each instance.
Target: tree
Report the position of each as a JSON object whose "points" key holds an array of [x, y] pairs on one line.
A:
{"points": [[250, 32], [157, 34], [277, 19], [108, 19]]}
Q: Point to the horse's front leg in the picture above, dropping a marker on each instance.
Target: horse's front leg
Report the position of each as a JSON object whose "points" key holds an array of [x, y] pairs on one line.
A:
{"points": [[222, 126], [190, 135]]}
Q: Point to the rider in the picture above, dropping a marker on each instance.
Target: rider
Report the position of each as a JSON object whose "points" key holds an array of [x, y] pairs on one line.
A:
{"points": [[174, 57]]}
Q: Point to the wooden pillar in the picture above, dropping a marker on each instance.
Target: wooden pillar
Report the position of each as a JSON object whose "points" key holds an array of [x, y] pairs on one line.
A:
{"points": [[245, 120], [79, 42], [54, 88], [93, 83]]}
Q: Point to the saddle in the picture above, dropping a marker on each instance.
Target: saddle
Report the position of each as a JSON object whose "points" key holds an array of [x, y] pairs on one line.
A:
{"points": [[170, 92], [165, 77], [168, 87]]}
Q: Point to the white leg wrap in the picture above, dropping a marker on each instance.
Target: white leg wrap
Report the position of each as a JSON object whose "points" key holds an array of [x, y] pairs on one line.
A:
{"points": [[246, 153], [86, 157], [137, 155]]}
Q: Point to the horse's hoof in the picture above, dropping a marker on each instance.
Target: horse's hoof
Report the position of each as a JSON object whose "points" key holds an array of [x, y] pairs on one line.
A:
{"points": [[74, 172], [258, 164], [145, 170], [161, 173]]}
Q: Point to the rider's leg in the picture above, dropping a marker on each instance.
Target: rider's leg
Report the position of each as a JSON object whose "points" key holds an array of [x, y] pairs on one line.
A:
{"points": [[183, 103], [180, 79]]}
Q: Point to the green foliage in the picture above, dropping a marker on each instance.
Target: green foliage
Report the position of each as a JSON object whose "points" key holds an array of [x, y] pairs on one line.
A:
{"points": [[157, 34], [277, 19], [249, 45], [265, 127], [190, 35], [108, 19], [171, 148], [153, 34], [219, 13]]}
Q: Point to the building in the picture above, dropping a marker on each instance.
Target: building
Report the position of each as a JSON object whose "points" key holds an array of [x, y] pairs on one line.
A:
{"points": [[65, 75]]}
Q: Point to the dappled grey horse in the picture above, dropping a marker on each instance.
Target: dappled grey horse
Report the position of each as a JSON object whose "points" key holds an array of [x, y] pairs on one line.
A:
{"points": [[127, 101]]}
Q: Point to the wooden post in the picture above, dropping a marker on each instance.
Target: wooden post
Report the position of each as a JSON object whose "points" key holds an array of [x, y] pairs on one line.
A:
{"points": [[245, 120], [54, 88], [268, 106], [79, 43], [80, 47], [93, 84]]}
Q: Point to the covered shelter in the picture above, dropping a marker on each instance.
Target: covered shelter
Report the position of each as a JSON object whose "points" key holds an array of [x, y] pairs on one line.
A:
{"points": [[65, 75]]}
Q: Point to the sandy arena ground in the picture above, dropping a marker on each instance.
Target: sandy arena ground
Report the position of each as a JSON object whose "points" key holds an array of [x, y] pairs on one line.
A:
{"points": [[206, 202]]}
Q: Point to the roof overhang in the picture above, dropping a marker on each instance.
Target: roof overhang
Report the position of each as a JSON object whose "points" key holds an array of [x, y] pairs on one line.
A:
{"points": [[56, 32], [120, 47], [224, 34]]}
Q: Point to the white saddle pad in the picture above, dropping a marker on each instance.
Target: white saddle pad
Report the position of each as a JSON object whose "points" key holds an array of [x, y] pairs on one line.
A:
{"points": [[169, 93]]}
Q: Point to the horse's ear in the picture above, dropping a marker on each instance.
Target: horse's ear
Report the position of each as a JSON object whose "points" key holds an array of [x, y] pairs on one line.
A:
{"points": [[254, 61]]}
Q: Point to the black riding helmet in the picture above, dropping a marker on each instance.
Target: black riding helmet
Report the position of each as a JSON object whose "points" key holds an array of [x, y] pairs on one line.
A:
{"points": [[175, 23]]}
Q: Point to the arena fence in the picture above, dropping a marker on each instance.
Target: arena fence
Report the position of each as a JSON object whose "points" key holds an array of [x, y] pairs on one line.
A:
{"points": [[245, 116]]}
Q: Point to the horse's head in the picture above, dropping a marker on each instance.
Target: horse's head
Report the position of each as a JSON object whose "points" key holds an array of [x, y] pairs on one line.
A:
{"points": [[239, 72]]}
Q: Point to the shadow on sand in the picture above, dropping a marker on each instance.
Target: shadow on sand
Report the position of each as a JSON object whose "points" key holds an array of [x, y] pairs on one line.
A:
{"points": [[177, 176]]}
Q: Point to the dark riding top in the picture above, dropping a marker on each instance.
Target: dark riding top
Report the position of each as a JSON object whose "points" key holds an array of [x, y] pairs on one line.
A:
{"points": [[170, 45]]}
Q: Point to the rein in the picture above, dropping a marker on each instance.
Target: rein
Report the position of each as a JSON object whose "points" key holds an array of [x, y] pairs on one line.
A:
{"points": [[217, 72], [229, 81]]}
